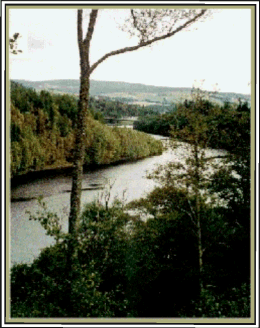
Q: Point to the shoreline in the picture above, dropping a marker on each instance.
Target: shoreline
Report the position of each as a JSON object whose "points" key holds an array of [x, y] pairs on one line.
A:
{"points": [[65, 170]]}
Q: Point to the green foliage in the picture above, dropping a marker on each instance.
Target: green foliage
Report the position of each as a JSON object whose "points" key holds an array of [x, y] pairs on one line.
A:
{"points": [[45, 294], [164, 261], [15, 132], [16, 157], [227, 125], [49, 221], [13, 44], [234, 303], [125, 266], [186, 198], [67, 106], [113, 108], [156, 124], [43, 127], [94, 288], [106, 145]]}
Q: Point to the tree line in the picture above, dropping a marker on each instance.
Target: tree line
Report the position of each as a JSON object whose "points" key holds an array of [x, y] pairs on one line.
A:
{"points": [[230, 121], [43, 134], [116, 108]]}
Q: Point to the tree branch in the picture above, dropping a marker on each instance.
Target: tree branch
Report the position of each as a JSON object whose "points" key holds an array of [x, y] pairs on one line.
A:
{"points": [[134, 20], [189, 214], [136, 25], [146, 43], [91, 25], [192, 211]]}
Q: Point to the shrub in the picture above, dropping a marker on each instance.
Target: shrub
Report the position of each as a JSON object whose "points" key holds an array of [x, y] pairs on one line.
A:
{"points": [[234, 303], [47, 288]]}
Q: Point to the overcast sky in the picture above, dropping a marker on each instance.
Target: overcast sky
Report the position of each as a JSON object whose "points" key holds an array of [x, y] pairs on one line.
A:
{"points": [[217, 51]]}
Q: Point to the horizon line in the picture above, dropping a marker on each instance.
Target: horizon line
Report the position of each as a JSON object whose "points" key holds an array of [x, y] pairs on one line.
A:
{"points": [[149, 85]]}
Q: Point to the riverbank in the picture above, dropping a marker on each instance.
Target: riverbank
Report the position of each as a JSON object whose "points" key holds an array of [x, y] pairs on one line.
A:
{"points": [[103, 145], [65, 170]]}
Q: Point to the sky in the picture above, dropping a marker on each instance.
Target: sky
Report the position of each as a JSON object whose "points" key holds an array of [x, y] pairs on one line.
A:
{"points": [[217, 51]]}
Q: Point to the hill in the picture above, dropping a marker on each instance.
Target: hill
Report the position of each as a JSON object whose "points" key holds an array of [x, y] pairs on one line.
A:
{"points": [[136, 93]]}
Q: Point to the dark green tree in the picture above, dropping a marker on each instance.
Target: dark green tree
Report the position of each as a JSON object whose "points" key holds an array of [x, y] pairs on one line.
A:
{"points": [[194, 174]]}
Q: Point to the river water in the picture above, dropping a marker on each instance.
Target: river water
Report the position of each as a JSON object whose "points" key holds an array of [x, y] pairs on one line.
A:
{"points": [[128, 181]]}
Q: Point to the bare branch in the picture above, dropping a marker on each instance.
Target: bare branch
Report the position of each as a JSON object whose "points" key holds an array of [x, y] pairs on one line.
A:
{"points": [[147, 24], [148, 42], [135, 21]]}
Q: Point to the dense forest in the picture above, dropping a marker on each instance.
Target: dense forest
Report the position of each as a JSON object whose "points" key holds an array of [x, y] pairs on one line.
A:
{"points": [[115, 108], [43, 126], [228, 122], [181, 251]]}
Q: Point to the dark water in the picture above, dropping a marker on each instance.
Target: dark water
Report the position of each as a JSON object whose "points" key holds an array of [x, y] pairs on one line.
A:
{"points": [[129, 182]]}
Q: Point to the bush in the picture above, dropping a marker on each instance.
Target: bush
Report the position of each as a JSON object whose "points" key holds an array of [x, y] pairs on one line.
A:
{"points": [[234, 303], [94, 288]]}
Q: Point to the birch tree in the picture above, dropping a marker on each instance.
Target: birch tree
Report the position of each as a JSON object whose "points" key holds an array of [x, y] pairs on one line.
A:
{"points": [[148, 26]]}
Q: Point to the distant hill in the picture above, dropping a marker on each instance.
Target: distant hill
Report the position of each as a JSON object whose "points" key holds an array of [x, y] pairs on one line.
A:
{"points": [[98, 87], [128, 92]]}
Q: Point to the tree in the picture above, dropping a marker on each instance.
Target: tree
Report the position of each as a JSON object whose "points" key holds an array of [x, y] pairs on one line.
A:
{"points": [[196, 126], [13, 44], [149, 26]]}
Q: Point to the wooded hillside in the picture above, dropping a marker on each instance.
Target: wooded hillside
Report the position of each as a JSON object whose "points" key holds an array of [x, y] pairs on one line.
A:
{"points": [[42, 133]]}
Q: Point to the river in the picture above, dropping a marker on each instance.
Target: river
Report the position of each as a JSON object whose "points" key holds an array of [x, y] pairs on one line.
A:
{"points": [[128, 181]]}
